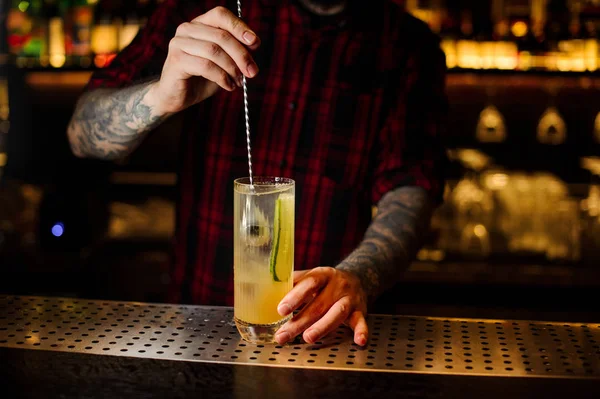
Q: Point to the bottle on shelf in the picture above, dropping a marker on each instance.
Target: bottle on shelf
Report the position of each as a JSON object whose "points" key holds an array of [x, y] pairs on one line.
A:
{"points": [[555, 32], [468, 49], [105, 34], [65, 10], [4, 104], [429, 11], [590, 20], [82, 14], [27, 32], [56, 34], [131, 25], [450, 32]]}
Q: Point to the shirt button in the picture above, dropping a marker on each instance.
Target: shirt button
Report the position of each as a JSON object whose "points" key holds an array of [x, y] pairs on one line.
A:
{"points": [[292, 106]]}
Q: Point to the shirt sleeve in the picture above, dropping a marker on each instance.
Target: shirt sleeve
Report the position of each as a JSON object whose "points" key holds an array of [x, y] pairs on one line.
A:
{"points": [[144, 57], [409, 147]]}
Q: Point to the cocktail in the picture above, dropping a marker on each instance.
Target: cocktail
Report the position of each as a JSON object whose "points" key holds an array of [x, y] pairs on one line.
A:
{"points": [[263, 262]]}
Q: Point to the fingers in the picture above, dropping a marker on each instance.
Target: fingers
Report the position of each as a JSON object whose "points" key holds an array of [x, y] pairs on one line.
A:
{"points": [[299, 274], [338, 313], [358, 324], [194, 66], [222, 18], [210, 51], [225, 43], [309, 315], [304, 291]]}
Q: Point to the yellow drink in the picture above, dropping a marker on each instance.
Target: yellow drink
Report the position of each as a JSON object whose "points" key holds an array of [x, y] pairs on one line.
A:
{"points": [[263, 254]]}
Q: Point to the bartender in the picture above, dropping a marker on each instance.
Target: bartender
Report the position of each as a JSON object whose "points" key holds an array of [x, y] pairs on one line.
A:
{"points": [[346, 97]]}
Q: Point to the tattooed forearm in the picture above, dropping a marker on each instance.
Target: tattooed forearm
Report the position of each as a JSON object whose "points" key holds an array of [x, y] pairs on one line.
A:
{"points": [[391, 241], [109, 124]]}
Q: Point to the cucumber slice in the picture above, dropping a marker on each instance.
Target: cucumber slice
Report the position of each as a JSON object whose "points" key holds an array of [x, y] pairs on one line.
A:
{"points": [[281, 262]]}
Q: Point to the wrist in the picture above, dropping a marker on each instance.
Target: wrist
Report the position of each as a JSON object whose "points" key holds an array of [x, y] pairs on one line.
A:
{"points": [[155, 101], [365, 276]]}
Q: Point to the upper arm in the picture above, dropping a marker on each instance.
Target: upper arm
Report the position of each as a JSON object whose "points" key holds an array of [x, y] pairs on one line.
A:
{"points": [[410, 149]]}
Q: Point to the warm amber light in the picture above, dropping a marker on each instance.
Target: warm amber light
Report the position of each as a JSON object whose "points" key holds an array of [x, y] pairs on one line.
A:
{"points": [[480, 230], [469, 55], [519, 29], [591, 52], [127, 34], [525, 60], [2, 159], [105, 39], [4, 104], [449, 49], [496, 181], [57, 60], [506, 55], [487, 51], [56, 42]]}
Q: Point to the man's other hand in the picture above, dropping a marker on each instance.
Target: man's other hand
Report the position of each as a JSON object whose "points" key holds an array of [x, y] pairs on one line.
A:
{"points": [[327, 297]]}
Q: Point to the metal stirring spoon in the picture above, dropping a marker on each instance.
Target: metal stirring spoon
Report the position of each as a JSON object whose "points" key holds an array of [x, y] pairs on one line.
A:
{"points": [[248, 207], [239, 4]]}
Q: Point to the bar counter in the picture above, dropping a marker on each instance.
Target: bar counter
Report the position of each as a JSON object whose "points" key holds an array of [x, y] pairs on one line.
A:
{"points": [[67, 347]]}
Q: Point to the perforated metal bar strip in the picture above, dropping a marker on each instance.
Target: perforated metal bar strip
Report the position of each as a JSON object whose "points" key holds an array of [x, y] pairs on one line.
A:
{"points": [[397, 343]]}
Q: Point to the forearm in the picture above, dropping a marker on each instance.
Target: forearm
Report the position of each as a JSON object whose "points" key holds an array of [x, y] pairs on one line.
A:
{"points": [[391, 241], [110, 123]]}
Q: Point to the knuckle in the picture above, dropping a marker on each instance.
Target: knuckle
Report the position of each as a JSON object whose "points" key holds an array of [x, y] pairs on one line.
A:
{"points": [[235, 24], [224, 77], [221, 11], [223, 36], [345, 286], [182, 29], [174, 44], [345, 304], [313, 283], [204, 64], [248, 60], [214, 49]]}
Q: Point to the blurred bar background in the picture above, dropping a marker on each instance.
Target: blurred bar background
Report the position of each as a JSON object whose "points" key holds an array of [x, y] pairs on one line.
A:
{"points": [[522, 204]]}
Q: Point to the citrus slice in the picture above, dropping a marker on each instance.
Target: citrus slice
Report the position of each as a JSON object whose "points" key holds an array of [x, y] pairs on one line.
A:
{"points": [[281, 262]]}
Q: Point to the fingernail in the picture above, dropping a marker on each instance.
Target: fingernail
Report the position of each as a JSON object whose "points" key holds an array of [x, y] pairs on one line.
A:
{"points": [[252, 70], [362, 339], [282, 337], [240, 81], [249, 37], [284, 309], [311, 336]]}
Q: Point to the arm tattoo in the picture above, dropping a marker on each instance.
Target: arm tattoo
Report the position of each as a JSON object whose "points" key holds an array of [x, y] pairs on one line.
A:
{"points": [[391, 241], [109, 124]]}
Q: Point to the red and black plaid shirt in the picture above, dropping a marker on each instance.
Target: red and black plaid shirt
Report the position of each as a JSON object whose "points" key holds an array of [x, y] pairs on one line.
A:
{"points": [[349, 107]]}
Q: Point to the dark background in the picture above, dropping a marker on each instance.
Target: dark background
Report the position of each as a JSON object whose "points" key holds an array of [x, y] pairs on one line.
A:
{"points": [[118, 218]]}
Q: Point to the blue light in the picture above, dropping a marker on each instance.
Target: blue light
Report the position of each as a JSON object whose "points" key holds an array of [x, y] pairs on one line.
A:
{"points": [[58, 230]]}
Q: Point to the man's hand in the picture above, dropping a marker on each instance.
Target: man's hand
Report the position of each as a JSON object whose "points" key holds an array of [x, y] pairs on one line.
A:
{"points": [[330, 298], [208, 52]]}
